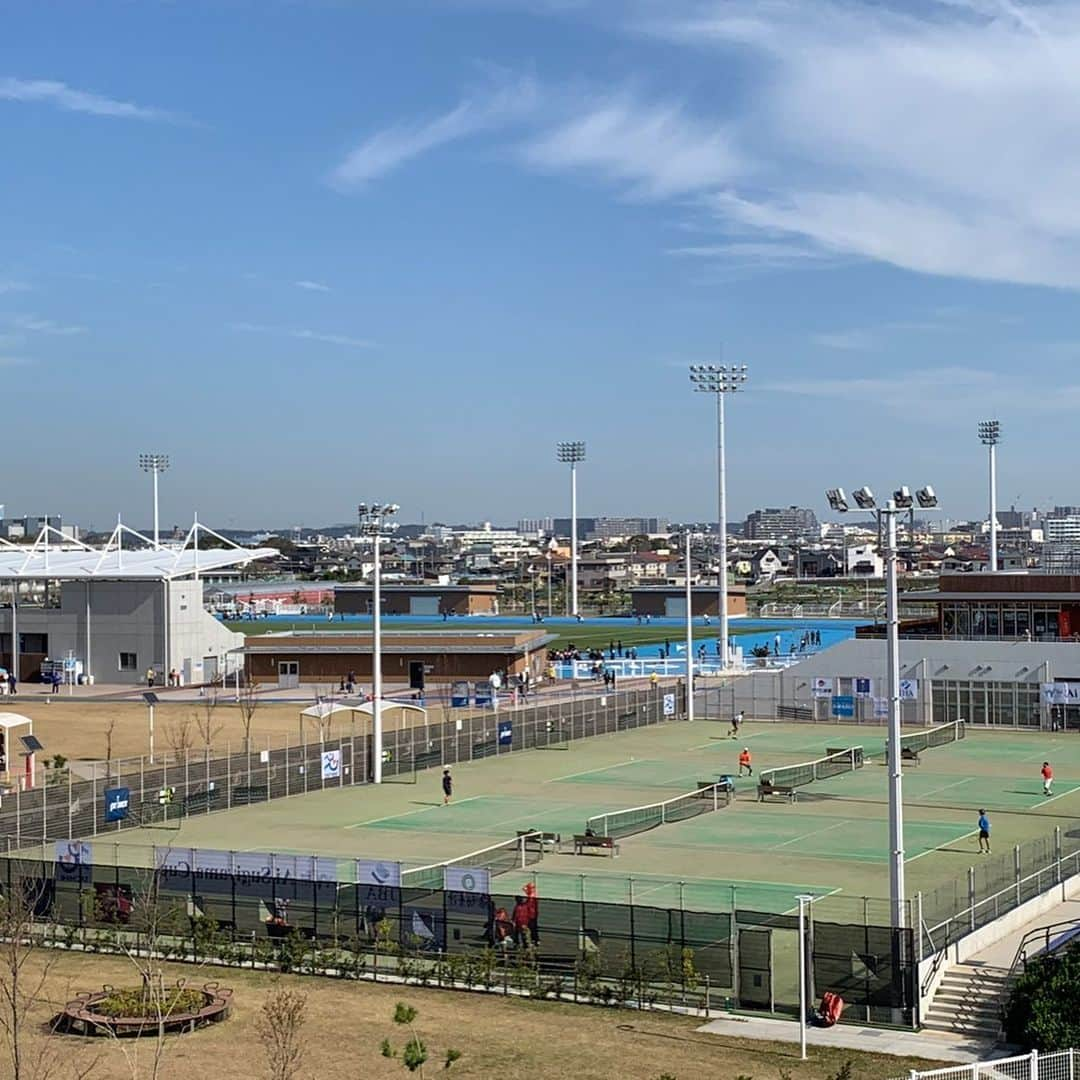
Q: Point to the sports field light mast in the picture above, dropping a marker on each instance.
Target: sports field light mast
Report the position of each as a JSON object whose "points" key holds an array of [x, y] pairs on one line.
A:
{"points": [[155, 464], [990, 436], [571, 453], [374, 522], [901, 502], [720, 380]]}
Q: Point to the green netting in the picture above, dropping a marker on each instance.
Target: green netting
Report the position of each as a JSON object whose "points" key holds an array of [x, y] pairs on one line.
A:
{"points": [[807, 772], [936, 736], [639, 819]]}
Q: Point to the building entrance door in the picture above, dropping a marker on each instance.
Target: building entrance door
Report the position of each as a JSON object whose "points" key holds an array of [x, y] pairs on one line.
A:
{"points": [[288, 674]]}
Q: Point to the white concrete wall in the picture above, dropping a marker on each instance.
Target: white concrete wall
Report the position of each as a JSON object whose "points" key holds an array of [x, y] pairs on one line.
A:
{"points": [[196, 636]]}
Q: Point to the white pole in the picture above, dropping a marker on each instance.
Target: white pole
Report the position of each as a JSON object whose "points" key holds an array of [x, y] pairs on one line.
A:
{"points": [[376, 665], [689, 637], [721, 468], [803, 1005], [993, 510], [156, 537], [151, 708], [896, 798], [573, 539], [89, 662], [15, 630]]}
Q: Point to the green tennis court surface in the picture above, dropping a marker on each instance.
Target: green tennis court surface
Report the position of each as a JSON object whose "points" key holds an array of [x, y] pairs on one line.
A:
{"points": [[832, 842]]}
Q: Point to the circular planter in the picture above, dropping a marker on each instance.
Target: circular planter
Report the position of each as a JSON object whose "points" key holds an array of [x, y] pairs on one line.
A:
{"points": [[81, 1016]]}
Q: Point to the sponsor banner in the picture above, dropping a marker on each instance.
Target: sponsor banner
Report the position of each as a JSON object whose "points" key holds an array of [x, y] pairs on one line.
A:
{"points": [[208, 864], [881, 708], [506, 732], [72, 853], [470, 881], [1061, 693], [821, 687], [331, 764], [909, 689], [378, 872], [843, 705], [864, 687], [669, 704], [117, 802]]}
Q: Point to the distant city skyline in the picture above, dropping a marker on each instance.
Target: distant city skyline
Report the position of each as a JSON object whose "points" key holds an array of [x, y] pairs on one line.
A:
{"points": [[460, 232]]}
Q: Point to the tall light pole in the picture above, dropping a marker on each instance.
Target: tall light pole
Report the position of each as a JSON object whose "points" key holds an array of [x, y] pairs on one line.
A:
{"points": [[720, 380], [373, 522], [901, 502], [155, 464], [571, 453], [990, 436], [689, 633]]}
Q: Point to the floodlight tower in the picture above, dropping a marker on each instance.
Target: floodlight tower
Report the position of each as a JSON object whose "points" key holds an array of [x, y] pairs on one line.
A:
{"points": [[990, 436], [571, 453], [156, 464], [901, 502], [374, 522], [720, 380]]}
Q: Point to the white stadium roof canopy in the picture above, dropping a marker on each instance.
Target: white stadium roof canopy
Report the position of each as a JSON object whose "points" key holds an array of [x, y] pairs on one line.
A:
{"points": [[66, 560]]}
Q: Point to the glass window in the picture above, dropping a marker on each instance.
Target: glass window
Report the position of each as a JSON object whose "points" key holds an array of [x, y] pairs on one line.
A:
{"points": [[948, 620], [129, 661], [993, 622], [1023, 621], [1008, 621], [977, 715], [963, 622]]}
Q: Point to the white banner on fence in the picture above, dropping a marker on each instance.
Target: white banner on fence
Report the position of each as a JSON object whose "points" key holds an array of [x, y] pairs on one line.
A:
{"points": [[467, 879], [331, 764], [909, 689], [881, 708], [248, 864], [863, 687], [1061, 693], [669, 704], [71, 853], [821, 687], [376, 872]]}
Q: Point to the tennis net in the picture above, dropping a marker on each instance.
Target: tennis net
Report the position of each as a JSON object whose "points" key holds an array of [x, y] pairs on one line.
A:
{"points": [[637, 819], [935, 736], [516, 854], [806, 772]]}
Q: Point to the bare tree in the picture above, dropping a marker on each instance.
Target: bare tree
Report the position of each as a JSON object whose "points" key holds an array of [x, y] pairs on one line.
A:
{"points": [[179, 734], [110, 727], [205, 720], [280, 1026], [25, 970], [249, 703]]}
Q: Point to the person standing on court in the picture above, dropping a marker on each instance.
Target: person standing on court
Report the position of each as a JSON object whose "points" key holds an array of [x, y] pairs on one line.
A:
{"points": [[1047, 777], [984, 833], [744, 762], [447, 785], [736, 722]]}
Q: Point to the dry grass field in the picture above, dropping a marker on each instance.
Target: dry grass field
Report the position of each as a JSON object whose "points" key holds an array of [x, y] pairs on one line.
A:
{"points": [[497, 1037]]}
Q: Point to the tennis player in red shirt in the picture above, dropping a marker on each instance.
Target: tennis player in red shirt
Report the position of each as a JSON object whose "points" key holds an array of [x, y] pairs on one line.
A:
{"points": [[1048, 777]]}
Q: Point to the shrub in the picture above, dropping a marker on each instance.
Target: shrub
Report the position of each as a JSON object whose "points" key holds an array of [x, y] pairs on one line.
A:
{"points": [[1043, 1011]]}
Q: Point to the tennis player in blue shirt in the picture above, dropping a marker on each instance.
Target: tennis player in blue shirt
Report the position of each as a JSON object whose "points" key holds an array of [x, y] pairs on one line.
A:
{"points": [[984, 833]]}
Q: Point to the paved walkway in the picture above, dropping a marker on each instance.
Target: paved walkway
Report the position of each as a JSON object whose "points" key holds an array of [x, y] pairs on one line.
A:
{"points": [[1002, 954], [930, 1045]]}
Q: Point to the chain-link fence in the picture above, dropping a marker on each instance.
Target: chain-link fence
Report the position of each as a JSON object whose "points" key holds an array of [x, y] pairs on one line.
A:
{"points": [[131, 792]]}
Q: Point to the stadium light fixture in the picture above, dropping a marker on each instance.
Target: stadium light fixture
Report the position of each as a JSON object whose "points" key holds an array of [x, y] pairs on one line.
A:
{"points": [[837, 500], [864, 499], [373, 518], [720, 380], [903, 498], [990, 436], [571, 453], [926, 497], [154, 464]]}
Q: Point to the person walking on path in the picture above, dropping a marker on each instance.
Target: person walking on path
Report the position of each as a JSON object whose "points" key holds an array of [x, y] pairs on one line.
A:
{"points": [[744, 762], [12, 684], [150, 678], [1047, 777], [447, 786], [984, 833]]}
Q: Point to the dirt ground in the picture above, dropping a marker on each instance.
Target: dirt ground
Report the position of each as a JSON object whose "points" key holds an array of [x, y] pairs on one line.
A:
{"points": [[497, 1037]]}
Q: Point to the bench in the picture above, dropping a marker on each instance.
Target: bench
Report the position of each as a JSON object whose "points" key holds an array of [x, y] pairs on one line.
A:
{"points": [[547, 841], [794, 712], [605, 845], [489, 748], [783, 791], [427, 758], [909, 755], [250, 793]]}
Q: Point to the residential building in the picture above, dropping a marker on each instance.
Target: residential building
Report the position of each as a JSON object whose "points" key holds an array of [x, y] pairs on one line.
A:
{"points": [[774, 524]]}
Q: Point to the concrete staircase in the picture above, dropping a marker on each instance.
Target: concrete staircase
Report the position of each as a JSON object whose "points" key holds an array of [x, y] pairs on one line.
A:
{"points": [[968, 1002]]}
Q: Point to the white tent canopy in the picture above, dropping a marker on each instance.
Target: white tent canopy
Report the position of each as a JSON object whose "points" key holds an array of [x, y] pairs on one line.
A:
{"points": [[9, 720]]}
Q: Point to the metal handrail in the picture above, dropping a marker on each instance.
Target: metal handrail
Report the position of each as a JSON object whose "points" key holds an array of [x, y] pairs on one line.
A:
{"points": [[1041, 931]]}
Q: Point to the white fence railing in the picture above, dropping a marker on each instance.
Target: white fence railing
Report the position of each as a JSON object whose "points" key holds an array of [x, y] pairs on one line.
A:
{"points": [[1059, 1065]]}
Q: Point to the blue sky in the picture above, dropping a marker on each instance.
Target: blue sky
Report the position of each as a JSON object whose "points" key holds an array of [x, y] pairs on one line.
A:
{"points": [[322, 252]]}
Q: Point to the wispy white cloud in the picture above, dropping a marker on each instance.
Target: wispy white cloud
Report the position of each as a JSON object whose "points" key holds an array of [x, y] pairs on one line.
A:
{"points": [[36, 325], [658, 151], [387, 150], [313, 286], [304, 334], [61, 96]]}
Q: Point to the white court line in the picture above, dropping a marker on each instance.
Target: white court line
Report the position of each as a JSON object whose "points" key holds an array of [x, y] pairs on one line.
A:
{"points": [[602, 768], [724, 738], [816, 832], [816, 896], [935, 791], [930, 851], [409, 813]]}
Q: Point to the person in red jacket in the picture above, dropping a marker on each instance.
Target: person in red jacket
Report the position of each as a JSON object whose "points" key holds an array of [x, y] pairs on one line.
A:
{"points": [[1048, 777], [521, 921], [534, 911], [744, 761]]}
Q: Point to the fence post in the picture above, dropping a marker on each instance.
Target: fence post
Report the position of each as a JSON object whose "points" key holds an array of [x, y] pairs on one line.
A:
{"points": [[971, 894], [70, 822], [1057, 858], [1016, 871], [919, 916], [1034, 1074]]}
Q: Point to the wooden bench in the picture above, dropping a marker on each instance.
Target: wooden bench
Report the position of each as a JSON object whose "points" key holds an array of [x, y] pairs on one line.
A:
{"points": [[765, 791], [605, 845], [909, 755]]}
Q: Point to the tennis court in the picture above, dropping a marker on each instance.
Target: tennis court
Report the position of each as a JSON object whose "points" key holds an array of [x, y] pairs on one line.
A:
{"points": [[832, 842]]}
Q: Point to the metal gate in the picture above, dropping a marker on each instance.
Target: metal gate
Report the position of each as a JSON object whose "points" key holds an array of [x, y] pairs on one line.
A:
{"points": [[755, 990]]}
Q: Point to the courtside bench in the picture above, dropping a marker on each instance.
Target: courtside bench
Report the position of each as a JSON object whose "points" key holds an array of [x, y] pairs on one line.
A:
{"points": [[547, 841], [779, 791], [604, 845]]}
